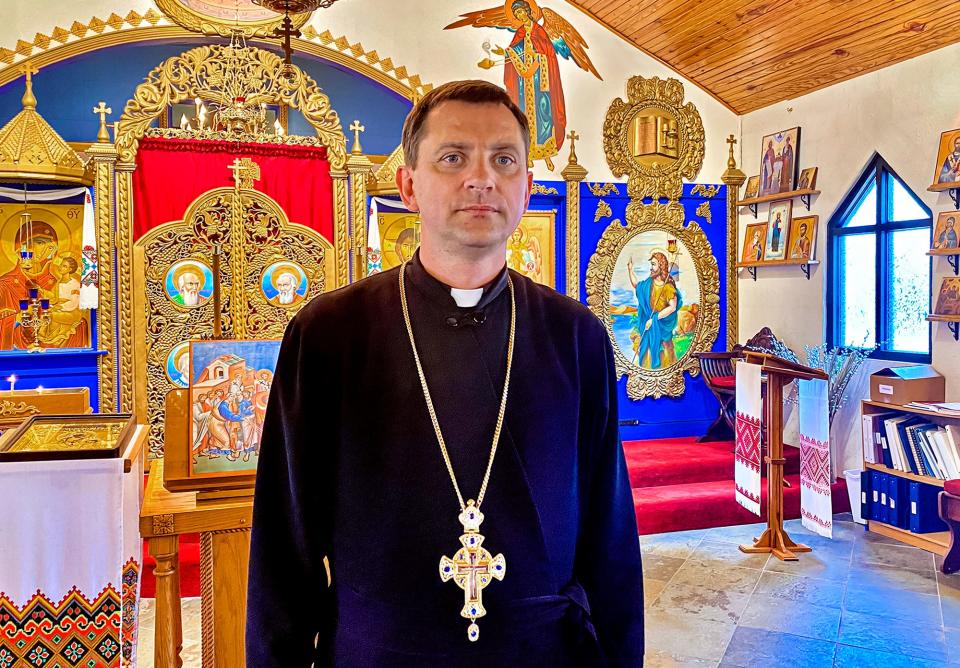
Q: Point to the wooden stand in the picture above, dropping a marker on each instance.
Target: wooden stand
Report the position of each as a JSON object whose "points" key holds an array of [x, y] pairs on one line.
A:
{"points": [[779, 372], [224, 529]]}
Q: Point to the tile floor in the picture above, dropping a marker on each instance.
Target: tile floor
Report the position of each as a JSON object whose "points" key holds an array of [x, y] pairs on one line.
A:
{"points": [[860, 600]]}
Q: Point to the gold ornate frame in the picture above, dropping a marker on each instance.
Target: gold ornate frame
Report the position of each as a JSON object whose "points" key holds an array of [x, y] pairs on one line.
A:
{"points": [[187, 76], [246, 313], [657, 180], [656, 383], [208, 25]]}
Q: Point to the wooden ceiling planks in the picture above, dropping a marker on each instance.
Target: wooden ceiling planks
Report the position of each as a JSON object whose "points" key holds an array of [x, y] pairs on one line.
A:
{"points": [[749, 54]]}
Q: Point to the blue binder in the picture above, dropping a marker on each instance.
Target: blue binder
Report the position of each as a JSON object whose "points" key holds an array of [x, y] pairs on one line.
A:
{"points": [[878, 506], [924, 512], [898, 497], [866, 494]]}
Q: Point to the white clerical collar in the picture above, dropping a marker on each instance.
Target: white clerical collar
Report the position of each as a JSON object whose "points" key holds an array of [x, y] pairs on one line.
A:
{"points": [[466, 298]]}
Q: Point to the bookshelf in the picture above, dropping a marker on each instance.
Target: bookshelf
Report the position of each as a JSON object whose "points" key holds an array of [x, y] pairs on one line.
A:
{"points": [[938, 542]]}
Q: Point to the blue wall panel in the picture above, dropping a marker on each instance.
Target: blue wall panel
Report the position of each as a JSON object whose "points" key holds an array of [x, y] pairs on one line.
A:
{"points": [[67, 92], [692, 413]]}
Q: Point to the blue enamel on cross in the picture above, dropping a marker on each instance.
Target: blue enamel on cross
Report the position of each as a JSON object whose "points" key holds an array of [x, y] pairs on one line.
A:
{"points": [[472, 568]]}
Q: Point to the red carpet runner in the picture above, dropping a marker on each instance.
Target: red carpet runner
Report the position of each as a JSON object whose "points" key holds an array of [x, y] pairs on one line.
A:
{"points": [[679, 484]]}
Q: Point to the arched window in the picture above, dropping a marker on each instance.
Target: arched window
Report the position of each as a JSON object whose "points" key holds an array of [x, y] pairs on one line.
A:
{"points": [[878, 271]]}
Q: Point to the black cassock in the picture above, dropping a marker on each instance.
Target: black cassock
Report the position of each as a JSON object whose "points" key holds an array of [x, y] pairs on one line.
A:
{"points": [[350, 468]]}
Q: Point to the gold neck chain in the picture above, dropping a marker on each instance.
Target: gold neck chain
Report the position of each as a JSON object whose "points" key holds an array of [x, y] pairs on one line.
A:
{"points": [[426, 391]]}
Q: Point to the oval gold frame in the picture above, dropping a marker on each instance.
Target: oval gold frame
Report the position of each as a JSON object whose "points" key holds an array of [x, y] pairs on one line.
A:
{"points": [[661, 180], [656, 383], [195, 21]]}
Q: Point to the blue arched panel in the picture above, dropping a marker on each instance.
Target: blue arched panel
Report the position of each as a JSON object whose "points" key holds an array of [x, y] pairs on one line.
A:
{"points": [[67, 92], [692, 413]]}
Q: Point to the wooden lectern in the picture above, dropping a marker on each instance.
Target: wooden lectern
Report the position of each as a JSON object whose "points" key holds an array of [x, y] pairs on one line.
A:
{"points": [[779, 372]]}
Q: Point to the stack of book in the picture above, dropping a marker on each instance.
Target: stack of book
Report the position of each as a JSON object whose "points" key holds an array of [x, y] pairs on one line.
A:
{"points": [[948, 408], [911, 443]]}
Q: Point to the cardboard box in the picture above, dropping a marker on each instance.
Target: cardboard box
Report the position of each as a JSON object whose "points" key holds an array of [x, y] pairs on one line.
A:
{"points": [[903, 384]]}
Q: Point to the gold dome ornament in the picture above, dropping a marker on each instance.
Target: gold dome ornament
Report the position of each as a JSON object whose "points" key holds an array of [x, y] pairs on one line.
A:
{"points": [[31, 150]]}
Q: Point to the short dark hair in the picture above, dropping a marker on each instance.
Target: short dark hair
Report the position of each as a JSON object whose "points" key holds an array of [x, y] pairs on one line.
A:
{"points": [[472, 91]]}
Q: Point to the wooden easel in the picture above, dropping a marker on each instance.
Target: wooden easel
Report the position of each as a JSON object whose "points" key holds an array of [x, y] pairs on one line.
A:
{"points": [[779, 372]]}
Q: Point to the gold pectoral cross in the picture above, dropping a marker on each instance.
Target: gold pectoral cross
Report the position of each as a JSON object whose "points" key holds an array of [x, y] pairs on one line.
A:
{"points": [[472, 568]]}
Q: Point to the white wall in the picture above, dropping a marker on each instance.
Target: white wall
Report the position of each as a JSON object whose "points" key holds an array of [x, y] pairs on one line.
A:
{"points": [[899, 112], [411, 33]]}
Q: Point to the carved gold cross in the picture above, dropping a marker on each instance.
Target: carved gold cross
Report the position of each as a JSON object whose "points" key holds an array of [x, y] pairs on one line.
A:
{"points": [[357, 129], [28, 100], [28, 70], [573, 137], [103, 136], [472, 568], [731, 163], [245, 172]]}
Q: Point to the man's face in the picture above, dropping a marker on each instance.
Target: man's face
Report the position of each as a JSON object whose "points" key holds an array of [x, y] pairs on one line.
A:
{"points": [[956, 145], [190, 289], [284, 284], [471, 183]]}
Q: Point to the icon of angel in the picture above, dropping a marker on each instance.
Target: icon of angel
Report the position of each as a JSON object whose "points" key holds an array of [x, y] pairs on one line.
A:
{"points": [[530, 71]]}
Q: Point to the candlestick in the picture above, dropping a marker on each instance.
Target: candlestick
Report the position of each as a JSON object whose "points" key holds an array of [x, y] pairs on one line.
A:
{"points": [[34, 293], [44, 304], [23, 304]]}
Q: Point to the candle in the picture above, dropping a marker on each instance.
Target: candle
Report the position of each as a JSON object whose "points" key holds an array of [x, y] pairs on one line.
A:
{"points": [[39, 389], [12, 380]]}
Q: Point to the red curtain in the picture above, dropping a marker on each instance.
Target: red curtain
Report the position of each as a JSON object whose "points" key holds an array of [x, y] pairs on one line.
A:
{"points": [[171, 173]]}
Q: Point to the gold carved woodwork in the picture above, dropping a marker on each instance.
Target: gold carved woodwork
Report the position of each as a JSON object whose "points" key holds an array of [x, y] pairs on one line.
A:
{"points": [[602, 211], [31, 150], [191, 74], [574, 174], [84, 37], [253, 233], [703, 210], [19, 409], [383, 180], [163, 525], [707, 191], [540, 189], [124, 285], [733, 178], [360, 170], [104, 158], [601, 189], [668, 381], [198, 21], [199, 73], [654, 138]]}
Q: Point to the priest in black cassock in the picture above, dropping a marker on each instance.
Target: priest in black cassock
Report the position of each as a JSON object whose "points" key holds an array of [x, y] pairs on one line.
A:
{"points": [[446, 435]]}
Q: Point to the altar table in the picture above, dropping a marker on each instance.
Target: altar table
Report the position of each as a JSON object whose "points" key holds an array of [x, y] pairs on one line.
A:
{"points": [[70, 555]]}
